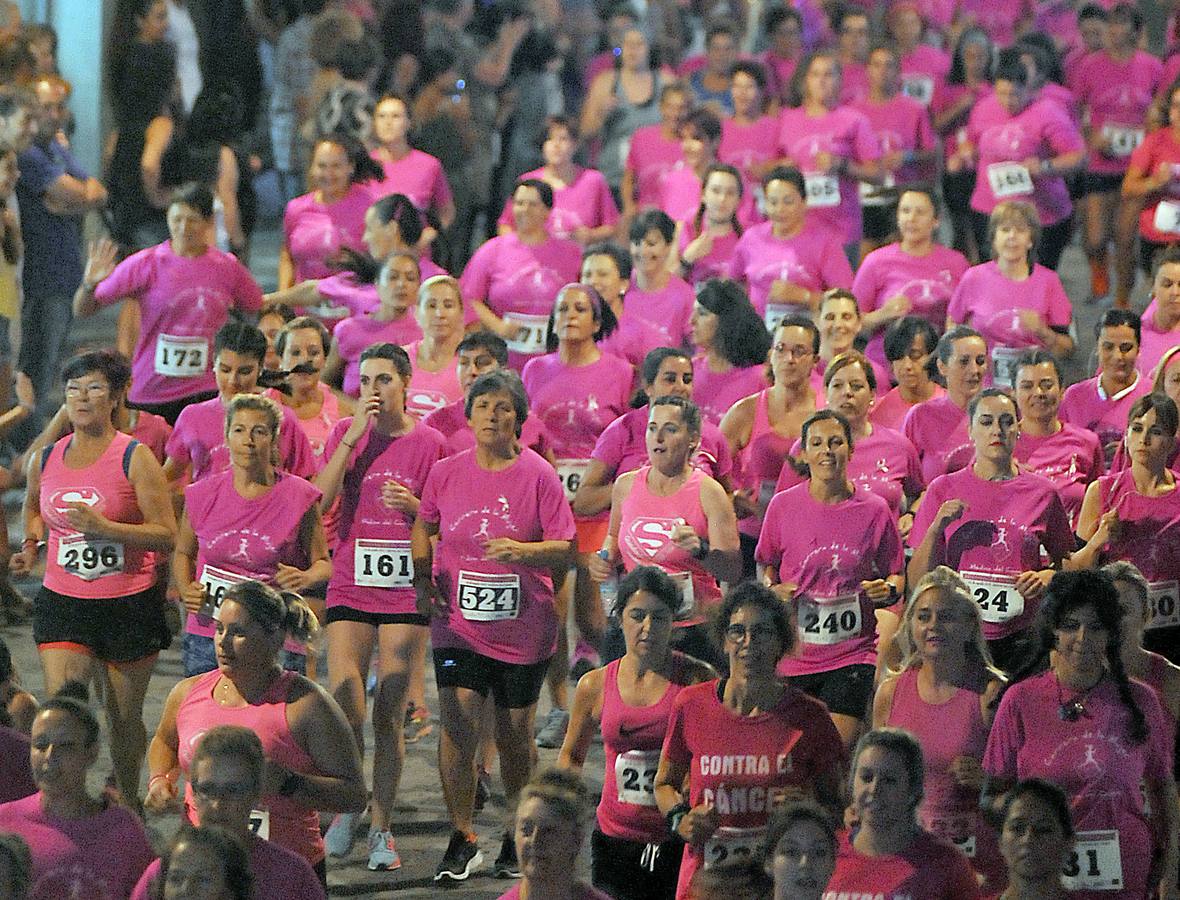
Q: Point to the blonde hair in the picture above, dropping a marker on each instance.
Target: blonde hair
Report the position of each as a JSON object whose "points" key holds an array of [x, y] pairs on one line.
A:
{"points": [[276, 610], [951, 585], [448, 280], [1161, 368], [255, 403]]}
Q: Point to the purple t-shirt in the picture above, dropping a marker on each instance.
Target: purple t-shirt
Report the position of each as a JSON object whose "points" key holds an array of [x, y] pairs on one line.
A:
{"points": [[100, 857], [278, 873], [417, 175], [812, 259], [1116, 96], [927, 281], [1087, 406], [650, 158], [716, 392], [938, 429], [1001, 533], [1071, 459], [183, 302], [198, 439], [586, 202], [501, 610], [53, 242], [843, 544], [316, 231], [622, 446], [353, 336], [832, 201]]}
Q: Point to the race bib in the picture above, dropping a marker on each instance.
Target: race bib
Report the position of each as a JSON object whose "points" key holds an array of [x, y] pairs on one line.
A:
{"points": [[635, 776], [489, 598], [829, 620], [822, 190], [1094, 863], [998, 599], [1123, 139], [1164, 597], [1004, 361], [1167, 217], [1009, 180], [571, 472], [382, 564], [181, 357], [216, 582], [532, 332], [776, 312], [260, 823], [732, 845], [90, 560], [920, 87], [683, 581]]}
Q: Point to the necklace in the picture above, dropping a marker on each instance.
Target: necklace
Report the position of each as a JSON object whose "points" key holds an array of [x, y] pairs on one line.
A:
{"points": [[1074, 709]]}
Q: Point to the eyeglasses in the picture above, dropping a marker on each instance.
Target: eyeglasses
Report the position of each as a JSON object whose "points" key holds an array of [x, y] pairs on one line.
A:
{"points": [[792, 352], [738, 633], [212, 790]]}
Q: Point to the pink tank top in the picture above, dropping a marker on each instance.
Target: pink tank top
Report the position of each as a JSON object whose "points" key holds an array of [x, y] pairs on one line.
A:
{"points": [[429, 391], [632, 737], [93, 568], [645, 539], [946, 731], [291, 825], [317, 428], [762, 459]]}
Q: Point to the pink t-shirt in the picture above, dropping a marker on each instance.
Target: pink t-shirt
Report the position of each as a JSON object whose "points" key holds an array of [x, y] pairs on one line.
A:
{"points": [[1042, 129], [945, 97], [891, 408], [885, 463], [1159, 147], [380, 530], [315, 428], [353, 336], [199, 440], [662, 315], [1001, 533], [1071, 459], [429, 391], [100, 857], [243, 538], [715, 263], [928, 868], [812, 259], [923, 72], [183, 302], [417, 175], [501, 610], [153, 432], [990, 302], [842, 545], [779, 73], [1153, 343], [519, 281], [999, 18], [854, 82], [451, 423], [938, 429], [315, 231], [576, 403], [680, 197], [649, 159], [1087, 406], [901, 123], [744, 146], [622, 446], [1093, 759], [1116, 96], [344, 297], [716, 392], [737, 763], [586, 202], [926, 281], [278, 873], [832, 201]]}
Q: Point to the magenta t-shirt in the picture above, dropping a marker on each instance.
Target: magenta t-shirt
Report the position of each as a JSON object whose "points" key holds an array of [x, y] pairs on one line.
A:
{"points": [[183, 302], [651, 315], [501, 610], [622, 446], [923, 72], [927, 281], [854, 82], [938, 429], [586, 202], [842, 545], [946, 96], [715, 263], [680, 196], [1095, 762], [1158, 147], [344, 296], [365, 518], [1087, 406], [314, 231], [650, 158], [1153, 343], [278, 873], [100, 857], [812, 259], [1001, 533], [999, 18], [901, 123], [417, 175], [738, 763], [199, 440], [451, 423], [576, 403], [1116, 96], [716, 392], [1147, 527], [353, 336], [1071, 459], [832, 201], [744, 146], [929, 868], [1042, 129]]}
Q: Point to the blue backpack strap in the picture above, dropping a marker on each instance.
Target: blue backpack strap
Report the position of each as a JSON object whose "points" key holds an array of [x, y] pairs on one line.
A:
{"points": [[127, 457]]}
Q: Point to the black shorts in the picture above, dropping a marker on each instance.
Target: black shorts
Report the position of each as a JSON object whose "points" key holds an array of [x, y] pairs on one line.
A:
{"points": [[118, 630], [512, 685], [1101, 183], [880, 221], [172, 408], [846, 691], [629, 870], [348, 614]]}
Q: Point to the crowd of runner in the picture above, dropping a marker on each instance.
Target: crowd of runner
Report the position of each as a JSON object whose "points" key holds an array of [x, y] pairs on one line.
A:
{"points": [[715, 361]]}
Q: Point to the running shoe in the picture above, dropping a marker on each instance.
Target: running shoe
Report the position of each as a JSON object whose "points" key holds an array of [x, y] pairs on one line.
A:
{"points": [[506, 865], [417, 724], [461, 859], [341, 834], [382, 852], [552, 733]]}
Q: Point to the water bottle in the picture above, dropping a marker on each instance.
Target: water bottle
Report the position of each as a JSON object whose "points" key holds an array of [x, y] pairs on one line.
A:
{"points": [[608, 590]]}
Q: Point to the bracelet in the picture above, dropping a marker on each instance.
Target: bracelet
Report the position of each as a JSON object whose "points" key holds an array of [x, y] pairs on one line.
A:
{"points": [[348, 445], [674, 815]]}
